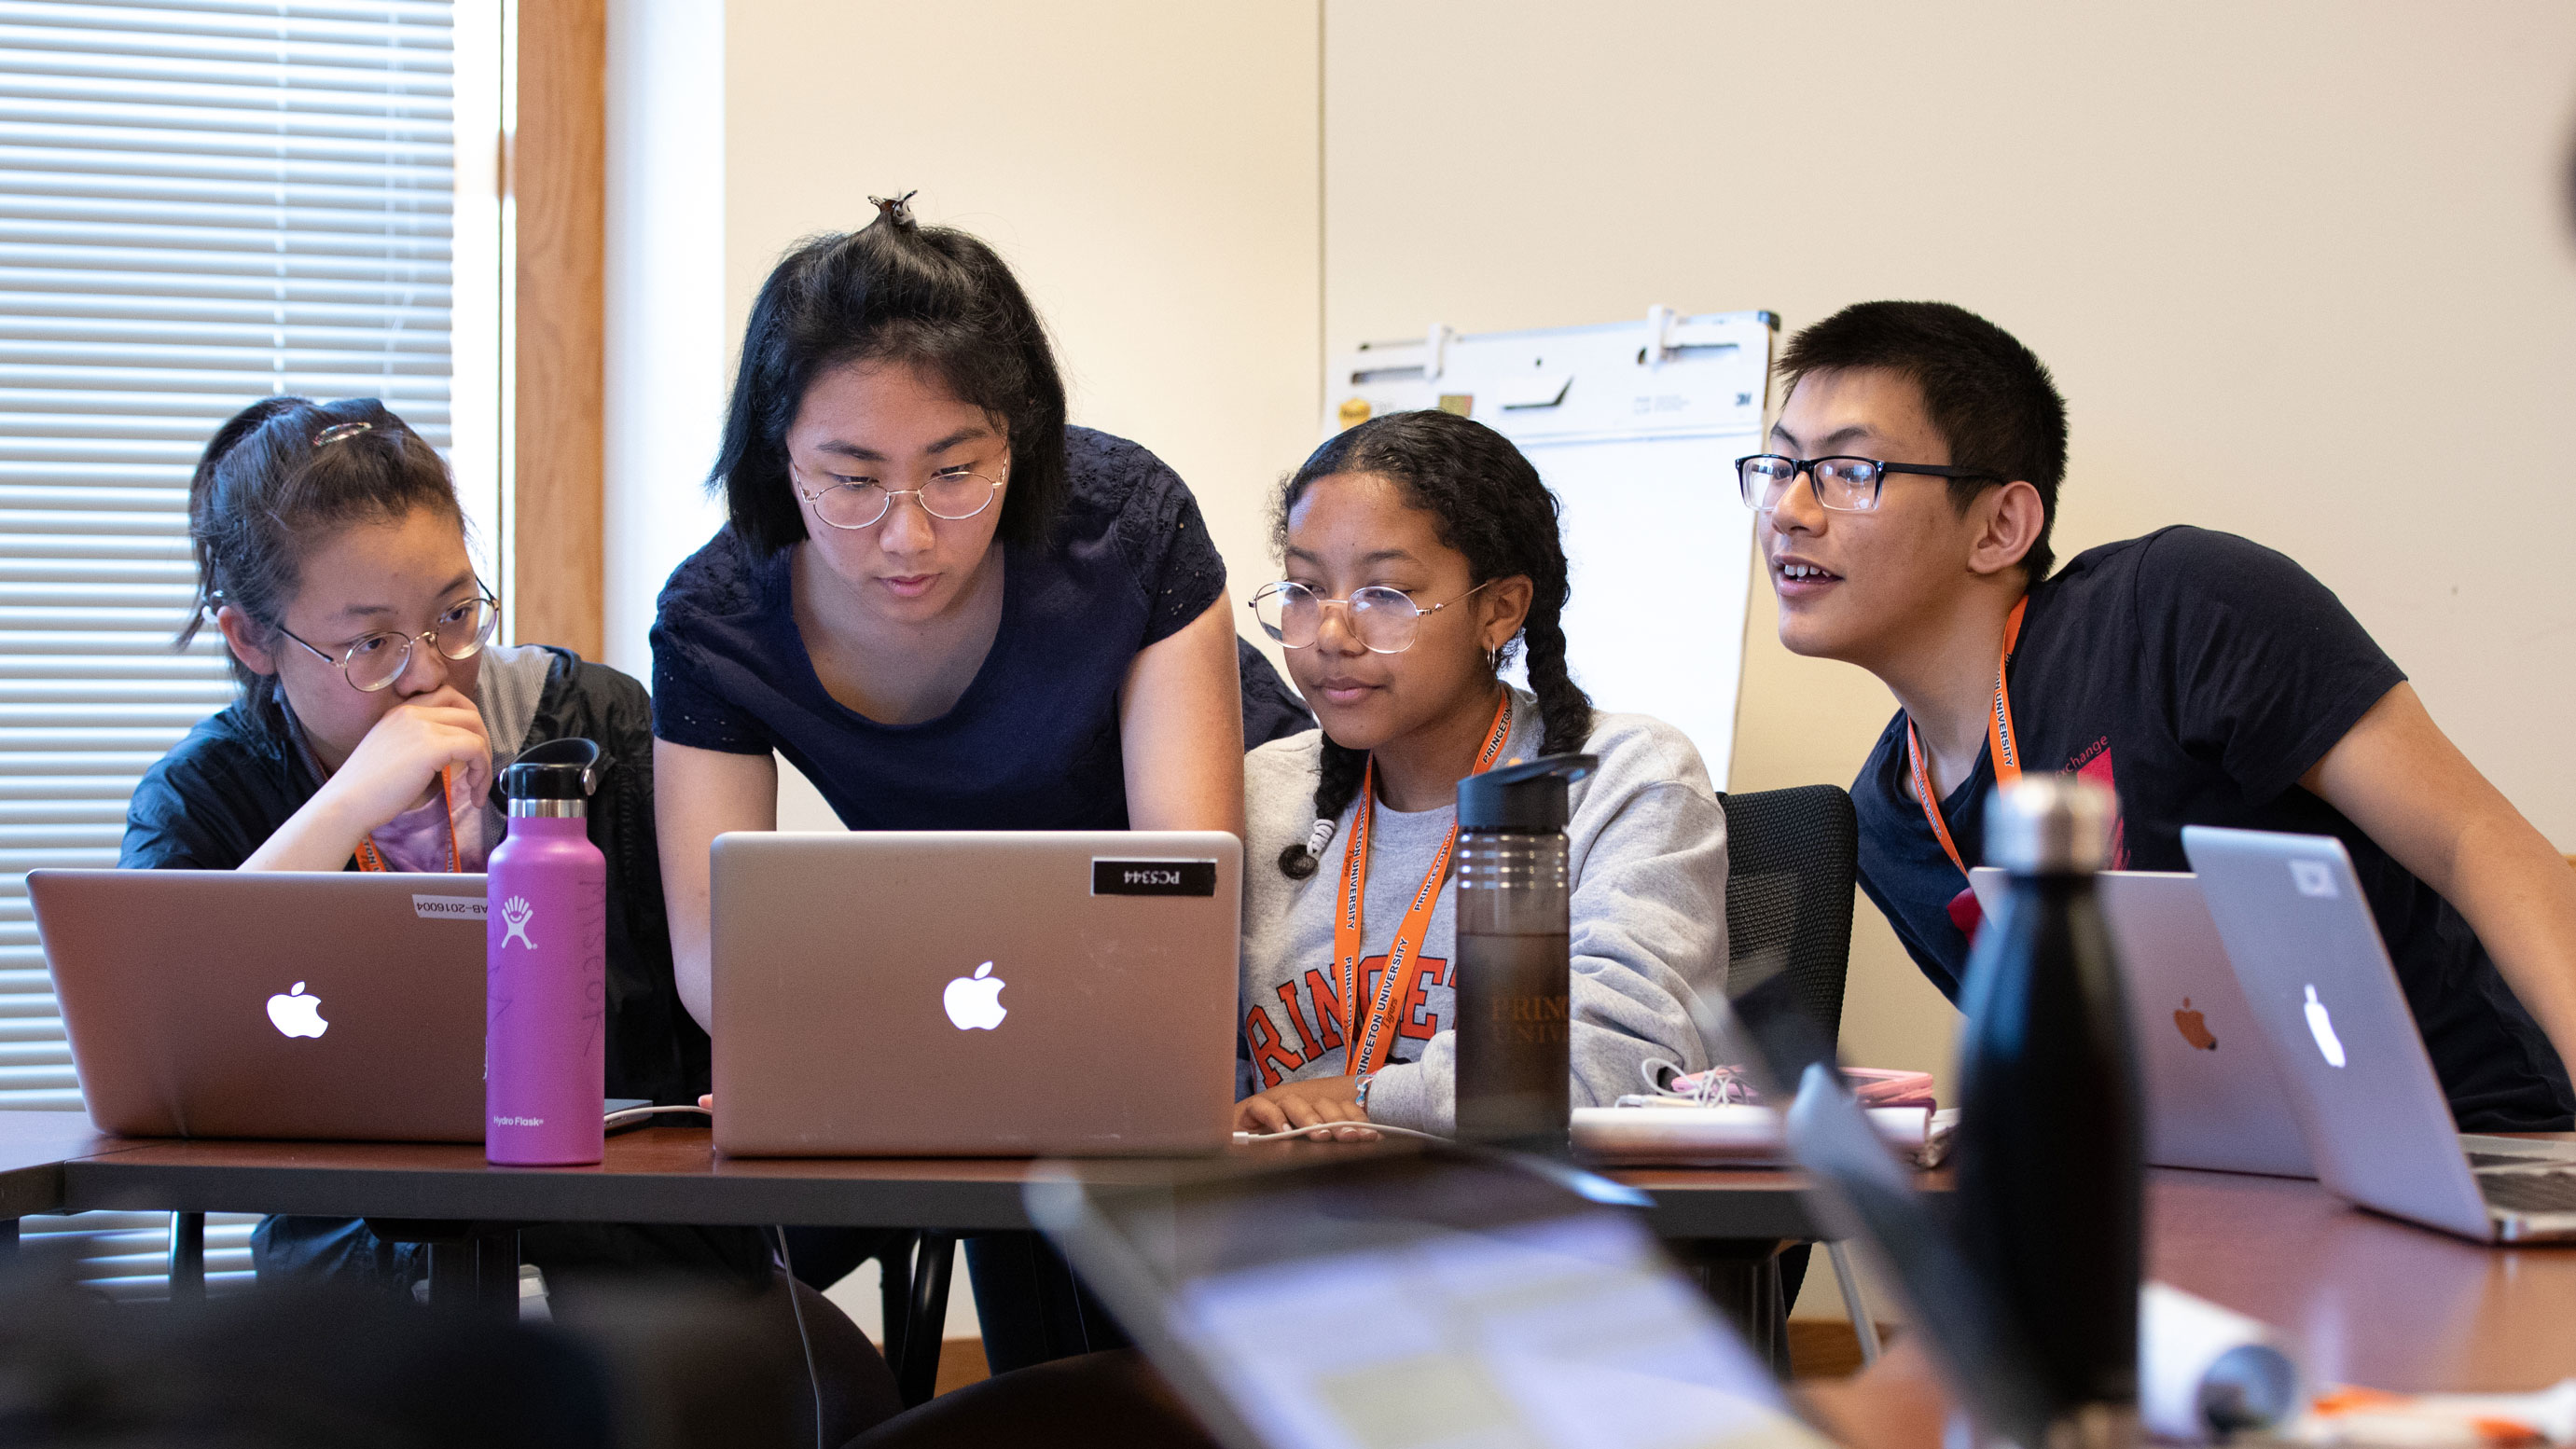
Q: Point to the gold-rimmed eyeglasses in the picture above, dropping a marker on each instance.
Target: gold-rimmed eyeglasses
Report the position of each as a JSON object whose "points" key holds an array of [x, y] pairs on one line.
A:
{"points": [[377, 660], [1384, 620], [950, 493]]}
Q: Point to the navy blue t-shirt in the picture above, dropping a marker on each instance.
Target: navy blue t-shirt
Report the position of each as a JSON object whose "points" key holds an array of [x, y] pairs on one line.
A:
{"points": [[1033, 743], [2199, 675]]}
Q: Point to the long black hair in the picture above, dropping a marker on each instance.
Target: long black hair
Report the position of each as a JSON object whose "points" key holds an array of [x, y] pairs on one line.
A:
{"points": [[893, 290], [1490, 505], [278, 478]]}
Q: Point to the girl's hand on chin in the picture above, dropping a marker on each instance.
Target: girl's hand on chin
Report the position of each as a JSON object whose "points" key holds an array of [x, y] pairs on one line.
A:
{"points": [[397, 764], [1308, 1103]]}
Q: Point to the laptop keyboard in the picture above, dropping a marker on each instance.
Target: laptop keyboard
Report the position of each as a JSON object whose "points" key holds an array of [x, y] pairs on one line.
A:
{"points": [[2530, 1192]]}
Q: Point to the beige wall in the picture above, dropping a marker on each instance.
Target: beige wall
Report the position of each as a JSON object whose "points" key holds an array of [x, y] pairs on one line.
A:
{"points": [[2303, 272], [1148, 167]]}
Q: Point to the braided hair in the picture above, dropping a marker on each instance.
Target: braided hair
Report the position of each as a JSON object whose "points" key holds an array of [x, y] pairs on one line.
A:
{"points": [[1491, 506]]}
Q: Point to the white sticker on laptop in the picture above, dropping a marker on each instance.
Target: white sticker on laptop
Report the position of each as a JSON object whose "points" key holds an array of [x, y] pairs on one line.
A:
{"points": [[447, 908], [2314, 878], [1114, 877]]}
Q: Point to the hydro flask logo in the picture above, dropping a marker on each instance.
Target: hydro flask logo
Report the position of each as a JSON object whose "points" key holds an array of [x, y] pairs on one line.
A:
{"points": [[515, 915]]}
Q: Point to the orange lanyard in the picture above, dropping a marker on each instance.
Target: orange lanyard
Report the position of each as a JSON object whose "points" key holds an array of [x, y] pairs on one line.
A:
{"points": [[1365, 1051], [370, 858], [1999, 743]]}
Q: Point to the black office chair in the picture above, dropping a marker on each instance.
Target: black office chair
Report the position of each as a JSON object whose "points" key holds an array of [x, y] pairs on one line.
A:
{"points": [[1791, 859]]}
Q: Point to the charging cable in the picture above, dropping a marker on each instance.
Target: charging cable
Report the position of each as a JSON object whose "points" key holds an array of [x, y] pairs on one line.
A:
{"points": [[813, 1380], [786, 1268], [1336, 1127]]}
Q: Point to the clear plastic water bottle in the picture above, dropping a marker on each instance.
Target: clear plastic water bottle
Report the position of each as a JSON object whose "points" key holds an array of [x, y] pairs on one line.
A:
{"points": [[546, 983], [1513, 961], [2051, 1131]]}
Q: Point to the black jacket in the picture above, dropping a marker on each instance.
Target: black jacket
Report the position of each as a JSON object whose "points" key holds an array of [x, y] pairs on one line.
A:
{"points": [[222, 791], [1271, 710]]}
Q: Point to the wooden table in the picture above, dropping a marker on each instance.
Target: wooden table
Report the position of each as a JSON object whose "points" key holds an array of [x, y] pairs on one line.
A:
{"points": [[33, 1148], [672, 1174], [2368, 1300], [1727, 1226]]}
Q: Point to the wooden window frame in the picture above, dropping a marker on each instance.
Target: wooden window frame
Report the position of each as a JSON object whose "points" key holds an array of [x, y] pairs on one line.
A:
{"points": [[556, 174]]}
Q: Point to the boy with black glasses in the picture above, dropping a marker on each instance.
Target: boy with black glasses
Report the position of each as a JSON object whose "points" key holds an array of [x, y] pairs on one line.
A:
{"points": [[2207, 680]]}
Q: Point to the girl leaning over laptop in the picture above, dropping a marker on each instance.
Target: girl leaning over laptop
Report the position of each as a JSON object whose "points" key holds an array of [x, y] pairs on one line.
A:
{"points": [[375, 712], [949, 609]]}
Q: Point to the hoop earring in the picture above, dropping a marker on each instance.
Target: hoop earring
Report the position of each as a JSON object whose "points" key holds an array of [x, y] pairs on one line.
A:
{"points": [[1493, 661]]}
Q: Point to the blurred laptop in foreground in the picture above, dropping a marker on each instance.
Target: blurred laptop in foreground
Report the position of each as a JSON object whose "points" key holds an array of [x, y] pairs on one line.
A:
{"points": [[1403, 1299]]}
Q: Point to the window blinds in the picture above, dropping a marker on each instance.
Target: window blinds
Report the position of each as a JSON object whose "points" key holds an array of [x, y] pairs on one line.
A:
{"points": [[201, 202]]}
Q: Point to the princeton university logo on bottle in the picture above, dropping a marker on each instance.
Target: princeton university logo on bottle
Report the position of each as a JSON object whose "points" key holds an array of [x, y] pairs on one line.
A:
{"points": [[1535, 1020]]}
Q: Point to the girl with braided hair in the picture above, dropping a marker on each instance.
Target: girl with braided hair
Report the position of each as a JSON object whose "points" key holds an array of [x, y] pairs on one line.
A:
{"points": [[1421, 557]]}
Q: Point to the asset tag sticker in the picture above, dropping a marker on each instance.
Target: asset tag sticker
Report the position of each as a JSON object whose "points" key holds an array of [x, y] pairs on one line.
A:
{"points": [[1152, 877], [447, 908]]}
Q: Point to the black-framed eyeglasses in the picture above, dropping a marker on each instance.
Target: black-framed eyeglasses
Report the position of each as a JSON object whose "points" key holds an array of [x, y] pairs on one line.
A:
{"points": [[1843, 484], [378, 659], [950, 493], [1385, 621]]}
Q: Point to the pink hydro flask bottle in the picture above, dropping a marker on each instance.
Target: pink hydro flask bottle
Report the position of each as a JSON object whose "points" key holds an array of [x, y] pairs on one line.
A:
{"points": [[546, 986]]}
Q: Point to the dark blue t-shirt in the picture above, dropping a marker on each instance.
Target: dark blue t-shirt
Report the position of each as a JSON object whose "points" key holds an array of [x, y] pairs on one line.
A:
{"points": [[2199, 675], [1033, 743]]}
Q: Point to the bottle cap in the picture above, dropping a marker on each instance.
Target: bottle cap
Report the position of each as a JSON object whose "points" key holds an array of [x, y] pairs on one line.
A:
{"points": [[1526, 796], [2050, 825], [566, 769]]}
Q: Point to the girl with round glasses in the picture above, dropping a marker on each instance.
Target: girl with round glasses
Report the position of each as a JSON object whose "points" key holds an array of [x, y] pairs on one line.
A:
{"points": [[374, 715], [1421, 557], [944, 605], [331, 556]]}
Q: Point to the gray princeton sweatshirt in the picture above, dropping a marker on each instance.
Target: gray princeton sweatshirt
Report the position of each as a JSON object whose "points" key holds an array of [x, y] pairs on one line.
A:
{"points": [[1647, 849]]}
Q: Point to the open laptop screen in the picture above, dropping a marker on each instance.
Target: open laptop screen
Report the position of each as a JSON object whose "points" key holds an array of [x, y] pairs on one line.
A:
{"points": [[1423, 1301]]}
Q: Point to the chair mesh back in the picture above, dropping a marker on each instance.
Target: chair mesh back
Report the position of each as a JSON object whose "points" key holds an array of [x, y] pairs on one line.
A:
{"points": [[1791, 858]]}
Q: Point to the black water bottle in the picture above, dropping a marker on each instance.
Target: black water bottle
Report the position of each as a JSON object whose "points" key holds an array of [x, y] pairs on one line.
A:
{"points": [[1514, 965], [2051, 1121]]}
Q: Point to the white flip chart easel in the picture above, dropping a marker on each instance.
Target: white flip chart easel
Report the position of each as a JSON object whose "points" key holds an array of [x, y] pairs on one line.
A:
{"points": [[1636, 426]]}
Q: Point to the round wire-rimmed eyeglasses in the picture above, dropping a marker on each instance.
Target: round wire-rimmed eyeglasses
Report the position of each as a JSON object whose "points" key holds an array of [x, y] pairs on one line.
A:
{"points": [[377, 660], [1384, 620], [951, 494], [1843, 484]]}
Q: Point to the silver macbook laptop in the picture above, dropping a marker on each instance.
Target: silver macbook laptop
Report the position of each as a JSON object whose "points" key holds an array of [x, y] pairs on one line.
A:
{"points": [[2214, 1097], [219, 1003], [2317, 977], [965, 993]]}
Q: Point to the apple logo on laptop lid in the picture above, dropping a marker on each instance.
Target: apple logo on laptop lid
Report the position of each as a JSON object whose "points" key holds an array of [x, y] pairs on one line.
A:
{"points": [[2194, 1027], [974, 1002], [2321, 1026], [297, 1014]]}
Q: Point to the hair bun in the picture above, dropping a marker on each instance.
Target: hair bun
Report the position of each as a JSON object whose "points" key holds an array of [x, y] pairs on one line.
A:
{"points": [[897, 212]]}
